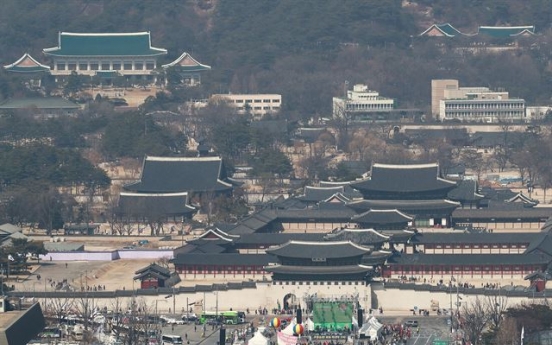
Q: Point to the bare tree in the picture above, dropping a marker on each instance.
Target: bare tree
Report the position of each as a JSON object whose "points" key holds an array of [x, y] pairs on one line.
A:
{"points": [[58, 307], [496, 306], [475, 319], [508, 333]]}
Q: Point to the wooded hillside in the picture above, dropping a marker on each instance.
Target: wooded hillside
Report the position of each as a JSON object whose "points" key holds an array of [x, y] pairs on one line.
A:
{"points": [[306, 49]]}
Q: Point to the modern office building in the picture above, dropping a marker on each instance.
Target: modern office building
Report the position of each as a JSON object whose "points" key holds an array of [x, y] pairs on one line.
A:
{"points": [[255, 104], [474, 104], [361, 103]]}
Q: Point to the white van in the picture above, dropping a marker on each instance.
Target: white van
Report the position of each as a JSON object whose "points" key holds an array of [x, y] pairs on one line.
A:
{"points": [[168, 339]]}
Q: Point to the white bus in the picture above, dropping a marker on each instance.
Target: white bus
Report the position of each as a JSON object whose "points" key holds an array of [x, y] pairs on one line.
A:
{"points": [[168, 339]]}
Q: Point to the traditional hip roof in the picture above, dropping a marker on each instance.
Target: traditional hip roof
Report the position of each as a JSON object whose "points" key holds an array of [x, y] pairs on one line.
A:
{"points": [[55, 103], [223, 259], [407, 206], [186, 63], [382, 217], [143, 204], [409, 178], [316, 270], [180, 174], [507, 31], [323, 250], [441, 30], [27, 64], [104, 44], [360, 236]]}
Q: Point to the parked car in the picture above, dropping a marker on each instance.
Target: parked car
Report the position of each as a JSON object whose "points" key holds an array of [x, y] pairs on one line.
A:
{"points": [[411, 323]]}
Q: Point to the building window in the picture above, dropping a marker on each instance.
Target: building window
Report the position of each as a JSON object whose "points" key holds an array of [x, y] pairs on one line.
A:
{"points": [[117, 66], [60, 67], [72, 66], [139, 66], [257, 101], [239, 100], [266, 101], [150, 65], [83, 67], [94, 66], [105, 67], [127, 66]]}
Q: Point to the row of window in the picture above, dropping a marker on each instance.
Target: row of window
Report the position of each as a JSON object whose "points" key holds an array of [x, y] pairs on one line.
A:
{"points": [[257, 101], [105, 66], [508, 105], [499, 114], [260, 108], [474, 246], [357, 106]]}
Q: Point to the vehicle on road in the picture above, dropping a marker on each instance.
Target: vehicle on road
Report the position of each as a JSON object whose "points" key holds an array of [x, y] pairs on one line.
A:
{"points": [[411, 323], [169, 339]]}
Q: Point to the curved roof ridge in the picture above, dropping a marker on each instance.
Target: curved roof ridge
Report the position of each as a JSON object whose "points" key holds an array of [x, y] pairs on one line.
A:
{"points": [[324, 188], [137, 33], [326, 243], [26, 56], [406, 166], [153, 194], [367, 230], [181, 159]]}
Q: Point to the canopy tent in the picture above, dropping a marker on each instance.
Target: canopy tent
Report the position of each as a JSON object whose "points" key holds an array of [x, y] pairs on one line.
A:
{"points": [[289, 328], [258, 339], [371, 329], [309, 325]]}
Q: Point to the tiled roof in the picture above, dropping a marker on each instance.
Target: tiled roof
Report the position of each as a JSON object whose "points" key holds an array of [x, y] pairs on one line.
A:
{"points": [[506, 31], [272, 239], [27, 64], [339, 213], [315, 194], [326, 250], [359, 236], [218, 234], [180, 174], [407, 206], [541, 245], [154, 204], [154, 268], [466, 191], [315, 270], [10, 228], [463, 259], [446, 29], [104, 44], [187, 63], [494, 139], [442, 134], [382, 217], [223, 259], [404, 179], [55, 103]]}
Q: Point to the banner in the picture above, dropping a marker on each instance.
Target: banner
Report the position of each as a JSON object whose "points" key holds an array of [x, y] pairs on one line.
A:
{"points": [[286, 339]]}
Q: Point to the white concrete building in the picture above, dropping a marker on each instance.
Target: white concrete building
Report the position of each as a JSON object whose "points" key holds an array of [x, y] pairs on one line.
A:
{"points": [[475, 104], [361, 102], [255, 104]]}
